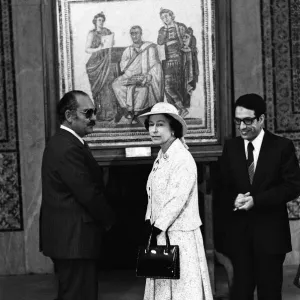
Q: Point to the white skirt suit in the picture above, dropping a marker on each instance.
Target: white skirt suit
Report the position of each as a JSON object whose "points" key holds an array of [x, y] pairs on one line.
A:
{"points": [[173, 202]]}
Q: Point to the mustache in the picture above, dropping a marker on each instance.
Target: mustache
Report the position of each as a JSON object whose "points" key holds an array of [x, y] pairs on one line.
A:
{"points": [[92, 123]]}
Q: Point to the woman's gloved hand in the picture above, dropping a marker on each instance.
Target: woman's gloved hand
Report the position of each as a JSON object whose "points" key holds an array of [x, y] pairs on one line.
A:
{"points": [[155, 232], [148, 228], [146, 232]]}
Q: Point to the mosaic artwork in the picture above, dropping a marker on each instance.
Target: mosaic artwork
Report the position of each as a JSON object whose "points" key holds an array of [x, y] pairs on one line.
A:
{"points": [[10, 184], [280, 21], [163, 50]]}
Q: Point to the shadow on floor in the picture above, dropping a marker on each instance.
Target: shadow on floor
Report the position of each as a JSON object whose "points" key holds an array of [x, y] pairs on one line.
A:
{"points": [[115, 285], [289, 291]]}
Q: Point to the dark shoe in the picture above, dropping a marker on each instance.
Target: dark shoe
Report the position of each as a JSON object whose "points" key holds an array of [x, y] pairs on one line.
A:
{"points": [[129, 115], [134, 120], [297, 278]]}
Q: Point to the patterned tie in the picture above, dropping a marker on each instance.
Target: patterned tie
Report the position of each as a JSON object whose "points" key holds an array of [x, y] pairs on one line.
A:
{"points": [[250, 161]]}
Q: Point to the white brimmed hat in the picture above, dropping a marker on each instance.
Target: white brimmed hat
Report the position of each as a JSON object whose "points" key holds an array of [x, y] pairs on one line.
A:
{"points": [[164, 108]]}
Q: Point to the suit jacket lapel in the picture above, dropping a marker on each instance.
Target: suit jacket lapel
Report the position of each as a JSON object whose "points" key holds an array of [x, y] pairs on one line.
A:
{"points": [[71, 137], [87, 148], [263, 159], [76, 141], [241, 160]]}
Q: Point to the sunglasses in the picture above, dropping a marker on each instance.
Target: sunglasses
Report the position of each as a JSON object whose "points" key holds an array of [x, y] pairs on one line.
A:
{"points": [[246, 121], [89, 112]]}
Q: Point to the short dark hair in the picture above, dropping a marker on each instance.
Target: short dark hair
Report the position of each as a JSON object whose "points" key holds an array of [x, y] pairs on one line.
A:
{"points": [[167, 11], [252, 102], [100, 15], [68, 102], [174, 124], [136, 27]]}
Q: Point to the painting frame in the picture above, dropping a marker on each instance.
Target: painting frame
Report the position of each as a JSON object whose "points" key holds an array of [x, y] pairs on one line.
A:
{"points": [[202, 148]]}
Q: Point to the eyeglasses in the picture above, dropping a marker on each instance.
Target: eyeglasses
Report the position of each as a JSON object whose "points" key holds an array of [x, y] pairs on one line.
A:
{"points": [[246, 121], [89, 112]]}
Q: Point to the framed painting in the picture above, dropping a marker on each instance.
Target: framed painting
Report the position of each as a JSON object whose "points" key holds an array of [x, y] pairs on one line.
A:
{"points": [[129, 55]]}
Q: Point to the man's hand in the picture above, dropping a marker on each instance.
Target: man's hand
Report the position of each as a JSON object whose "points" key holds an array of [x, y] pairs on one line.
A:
{"points": [[248, 204], [240, 200], [243, 202]]}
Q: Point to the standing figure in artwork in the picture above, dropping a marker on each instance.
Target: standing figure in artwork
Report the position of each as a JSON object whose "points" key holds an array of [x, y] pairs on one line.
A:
{"points": [[99, 70], [173, 205], [189, 65], [171, 37], [140, 86]]}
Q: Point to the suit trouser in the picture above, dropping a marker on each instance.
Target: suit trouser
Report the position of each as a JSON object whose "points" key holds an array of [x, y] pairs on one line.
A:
{"points": [[77, 279], [257, 270]]}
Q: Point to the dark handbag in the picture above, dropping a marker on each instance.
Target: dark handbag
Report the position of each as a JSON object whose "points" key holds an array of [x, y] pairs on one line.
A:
{"points": [[159, 262]]}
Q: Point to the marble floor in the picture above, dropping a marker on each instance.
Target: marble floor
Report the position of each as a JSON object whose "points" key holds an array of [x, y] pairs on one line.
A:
{"points": [[115, 285]]}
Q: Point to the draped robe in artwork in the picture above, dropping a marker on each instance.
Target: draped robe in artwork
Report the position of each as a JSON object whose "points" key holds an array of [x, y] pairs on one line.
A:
{"points": [[101, 74], [171, 38], [146, 62]]}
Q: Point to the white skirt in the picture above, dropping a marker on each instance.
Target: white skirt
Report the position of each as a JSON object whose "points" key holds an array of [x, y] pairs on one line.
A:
{"points": [[194, 283]]}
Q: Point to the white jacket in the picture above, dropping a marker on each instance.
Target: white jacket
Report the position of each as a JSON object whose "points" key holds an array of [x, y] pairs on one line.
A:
{"points": [[172, 190]]}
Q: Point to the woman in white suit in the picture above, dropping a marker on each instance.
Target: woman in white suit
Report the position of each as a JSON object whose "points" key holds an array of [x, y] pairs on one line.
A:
{"points": [[173, 203]]}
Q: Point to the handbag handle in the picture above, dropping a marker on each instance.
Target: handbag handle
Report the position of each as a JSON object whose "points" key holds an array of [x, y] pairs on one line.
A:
{"points": [[167, 241]]}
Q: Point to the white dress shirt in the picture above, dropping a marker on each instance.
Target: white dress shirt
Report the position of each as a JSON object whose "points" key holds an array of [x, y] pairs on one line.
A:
{"points": [[73, 132]]}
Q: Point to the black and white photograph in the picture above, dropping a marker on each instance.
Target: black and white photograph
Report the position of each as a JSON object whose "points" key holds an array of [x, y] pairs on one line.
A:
{"points": [[149, 150]]}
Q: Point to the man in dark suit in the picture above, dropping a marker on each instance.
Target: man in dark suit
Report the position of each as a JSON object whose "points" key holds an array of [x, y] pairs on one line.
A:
{"points": [[260, 174], [74, 211]]}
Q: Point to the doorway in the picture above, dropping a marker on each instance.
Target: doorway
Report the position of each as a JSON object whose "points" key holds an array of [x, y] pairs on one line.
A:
{"points": [[127, 195]]}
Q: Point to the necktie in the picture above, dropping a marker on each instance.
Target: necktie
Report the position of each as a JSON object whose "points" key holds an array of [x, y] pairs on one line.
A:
{"points": [[250, 161]]}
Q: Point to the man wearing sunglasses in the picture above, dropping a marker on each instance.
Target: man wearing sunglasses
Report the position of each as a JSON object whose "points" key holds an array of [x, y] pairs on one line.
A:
{"points": [[260, 174], [74, 210]]}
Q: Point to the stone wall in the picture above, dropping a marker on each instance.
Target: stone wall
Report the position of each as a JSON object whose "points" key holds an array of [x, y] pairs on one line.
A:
{"points": [[20, 250]]}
